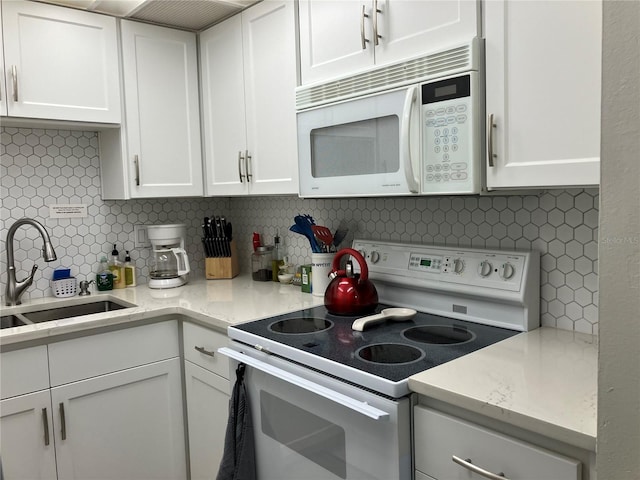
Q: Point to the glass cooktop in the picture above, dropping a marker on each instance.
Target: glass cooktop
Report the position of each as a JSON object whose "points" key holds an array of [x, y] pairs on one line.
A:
{"points": [[392, 350]]}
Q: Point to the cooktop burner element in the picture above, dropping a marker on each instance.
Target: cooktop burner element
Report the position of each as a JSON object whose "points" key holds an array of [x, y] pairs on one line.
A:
{"points": [[390, 353], [439, 334], [293, 326]]}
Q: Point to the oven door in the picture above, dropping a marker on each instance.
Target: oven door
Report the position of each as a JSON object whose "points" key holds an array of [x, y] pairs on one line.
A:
{"points": [[313, 427], [365, 146]]}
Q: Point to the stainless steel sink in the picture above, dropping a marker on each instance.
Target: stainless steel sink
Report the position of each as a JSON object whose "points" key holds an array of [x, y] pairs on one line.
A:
{"points": [[73, 311], [10, 321], [30, 315]]}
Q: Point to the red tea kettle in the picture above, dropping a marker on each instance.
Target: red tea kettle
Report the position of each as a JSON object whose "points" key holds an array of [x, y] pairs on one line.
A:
{"points": [[350, 293]]}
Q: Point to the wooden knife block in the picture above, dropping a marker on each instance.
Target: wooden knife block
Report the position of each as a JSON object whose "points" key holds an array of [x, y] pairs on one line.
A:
{"points": [[222, 267]]}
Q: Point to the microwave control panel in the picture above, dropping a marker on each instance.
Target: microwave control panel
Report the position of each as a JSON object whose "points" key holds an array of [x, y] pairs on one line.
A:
{"points": [[451, 135]]}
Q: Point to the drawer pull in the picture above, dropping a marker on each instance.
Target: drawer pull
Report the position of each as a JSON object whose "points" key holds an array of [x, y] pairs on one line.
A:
{"points": [[204, 351], [480, 471]]}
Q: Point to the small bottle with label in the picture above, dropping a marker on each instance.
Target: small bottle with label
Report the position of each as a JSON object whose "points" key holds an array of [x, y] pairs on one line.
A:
{"points": [[116, 268], [129, 271], [104, 277]]}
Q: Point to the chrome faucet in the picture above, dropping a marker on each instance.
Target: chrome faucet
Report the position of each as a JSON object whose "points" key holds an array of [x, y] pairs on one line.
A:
{"points": [[16, 288]]}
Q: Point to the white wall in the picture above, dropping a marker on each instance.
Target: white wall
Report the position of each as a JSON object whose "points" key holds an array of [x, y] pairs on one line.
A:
{"points": [[619, 349]]}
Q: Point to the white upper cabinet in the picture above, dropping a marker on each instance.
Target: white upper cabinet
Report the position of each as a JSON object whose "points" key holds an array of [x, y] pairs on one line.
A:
{"points": [[543, 64], [59, 63], [3, 83], [164, 157], [248, 68], [340, 37]]}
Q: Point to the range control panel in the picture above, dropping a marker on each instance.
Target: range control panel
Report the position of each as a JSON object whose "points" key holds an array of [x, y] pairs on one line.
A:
{"points": [[498, 269]]}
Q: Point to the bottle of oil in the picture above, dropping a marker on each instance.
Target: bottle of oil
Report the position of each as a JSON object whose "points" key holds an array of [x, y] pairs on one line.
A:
{"points": [[278, 257]]}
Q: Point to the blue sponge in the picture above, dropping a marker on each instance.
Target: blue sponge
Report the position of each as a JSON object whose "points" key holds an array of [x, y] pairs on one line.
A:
{"points": [[61, 273]]}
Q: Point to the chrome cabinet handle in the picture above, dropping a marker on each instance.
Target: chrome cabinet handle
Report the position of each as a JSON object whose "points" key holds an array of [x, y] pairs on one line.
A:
{"points": [[136, 162], [248, 160], [490, 153], [45, 424], [240, 161], [14, 76], [204, 351], [362, 37], [480, 471], [63, 423], [376, 11]]}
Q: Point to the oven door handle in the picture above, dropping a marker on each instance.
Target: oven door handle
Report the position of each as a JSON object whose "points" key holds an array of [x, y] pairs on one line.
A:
{"points": [[344, 400]]}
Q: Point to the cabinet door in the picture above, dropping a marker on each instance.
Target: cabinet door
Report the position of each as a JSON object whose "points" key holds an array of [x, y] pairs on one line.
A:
{"points": [[207, 411], [3, 84], [60, 63], [223, 106], [331, 38], [162, 111], [26, 436], [408, 28], [543, 92], [127, 424], [270, 81]]}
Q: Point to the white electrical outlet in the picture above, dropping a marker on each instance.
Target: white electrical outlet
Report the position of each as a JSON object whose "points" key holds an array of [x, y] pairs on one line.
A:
{"points": [[140, 236]]}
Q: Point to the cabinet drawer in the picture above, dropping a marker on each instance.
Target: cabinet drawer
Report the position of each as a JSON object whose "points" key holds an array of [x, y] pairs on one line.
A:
{"points": [[439, 437], [201, 347], [23, 371], [87, 357]]}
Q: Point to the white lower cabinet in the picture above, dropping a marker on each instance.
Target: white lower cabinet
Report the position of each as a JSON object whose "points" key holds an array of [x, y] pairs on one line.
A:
{"points": [[124, 425], [26, 437], [114, 411], [207, 391], [449, 448]]}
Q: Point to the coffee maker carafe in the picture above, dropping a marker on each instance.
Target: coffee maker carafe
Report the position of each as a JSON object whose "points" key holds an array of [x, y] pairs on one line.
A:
{"points": [[169, 262]]}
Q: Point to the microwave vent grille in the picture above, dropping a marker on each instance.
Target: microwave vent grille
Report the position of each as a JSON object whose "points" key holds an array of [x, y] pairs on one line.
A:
{"points": [[431, 66]]}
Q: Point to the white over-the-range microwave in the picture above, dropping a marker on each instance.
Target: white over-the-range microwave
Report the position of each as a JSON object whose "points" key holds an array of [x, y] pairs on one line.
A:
{"points": [[412, 128]]}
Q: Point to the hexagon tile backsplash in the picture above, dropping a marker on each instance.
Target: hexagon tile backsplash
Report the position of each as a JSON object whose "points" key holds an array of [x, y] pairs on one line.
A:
{"points": [[42, 167]]}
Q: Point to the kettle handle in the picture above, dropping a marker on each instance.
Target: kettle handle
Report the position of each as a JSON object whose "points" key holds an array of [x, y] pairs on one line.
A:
{"points": [[364, 270]]}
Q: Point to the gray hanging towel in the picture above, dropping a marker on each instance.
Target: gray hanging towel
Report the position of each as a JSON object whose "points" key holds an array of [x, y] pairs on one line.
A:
{"points": [[238, 459]]}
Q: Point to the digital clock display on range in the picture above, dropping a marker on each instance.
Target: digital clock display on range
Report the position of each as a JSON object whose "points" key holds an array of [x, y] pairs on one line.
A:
{"points": [[425, 262]]}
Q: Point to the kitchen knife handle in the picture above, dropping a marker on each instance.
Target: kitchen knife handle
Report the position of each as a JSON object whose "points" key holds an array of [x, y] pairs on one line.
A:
{"points": [[490, 153], [480, 471], [240, 162]]}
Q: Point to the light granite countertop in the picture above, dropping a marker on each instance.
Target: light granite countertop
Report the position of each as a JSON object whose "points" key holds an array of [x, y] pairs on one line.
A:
{"points": [[543, 381], [217, 303]]}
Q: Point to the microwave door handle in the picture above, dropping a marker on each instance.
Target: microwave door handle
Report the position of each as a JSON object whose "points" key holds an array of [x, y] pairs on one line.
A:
{"points": [[405, 139], [337, 397]]}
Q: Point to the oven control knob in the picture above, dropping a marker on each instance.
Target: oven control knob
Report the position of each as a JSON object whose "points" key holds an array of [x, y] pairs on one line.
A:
{"points": [[484, 269], [363, 253], [375, 257], [458, 266], [506, 271]]}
